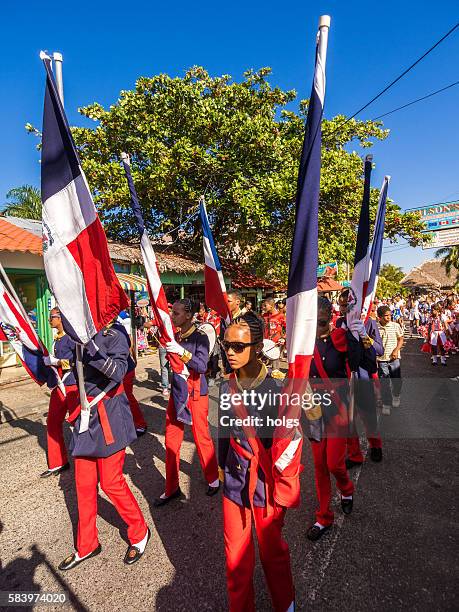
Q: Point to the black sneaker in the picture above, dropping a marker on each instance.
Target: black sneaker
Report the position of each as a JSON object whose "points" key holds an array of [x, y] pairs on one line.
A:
{"points": [[315, 532], [376, 454], [346, 505]]}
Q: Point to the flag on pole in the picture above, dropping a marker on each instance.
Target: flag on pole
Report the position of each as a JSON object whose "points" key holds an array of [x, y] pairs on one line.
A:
{"points": [[302, 279], [159, 305], [376, 248], [215, 289], [75, 251], [17, 329], [361, 274], [302, 285]]}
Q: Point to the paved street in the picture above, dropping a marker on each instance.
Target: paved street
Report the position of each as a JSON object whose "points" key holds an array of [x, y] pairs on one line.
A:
{"points": [[397, 551]]}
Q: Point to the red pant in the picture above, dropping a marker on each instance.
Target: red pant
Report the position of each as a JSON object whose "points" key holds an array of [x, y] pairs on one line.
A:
{"points": [[329, 455], [128, 383], [109, 470], [58, 408], [240, 556], [354, 451], [204, 445]]}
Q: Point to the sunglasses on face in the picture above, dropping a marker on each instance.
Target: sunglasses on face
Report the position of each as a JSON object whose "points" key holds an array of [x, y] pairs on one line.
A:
{"points": [[54, 317], [238, 347], [322, 322]]}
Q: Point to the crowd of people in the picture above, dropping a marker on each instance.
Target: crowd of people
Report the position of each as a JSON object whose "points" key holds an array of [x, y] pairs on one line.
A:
{"points": [[257, 464]]}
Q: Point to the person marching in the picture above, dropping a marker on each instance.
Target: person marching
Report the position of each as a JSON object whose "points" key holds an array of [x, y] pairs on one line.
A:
{"points": [[62, 400], [234, 305], [389, 370], [193, 348], [249, 473], [99, 448], [365, 398], [275, 323], [330, 362], [437, 329]]}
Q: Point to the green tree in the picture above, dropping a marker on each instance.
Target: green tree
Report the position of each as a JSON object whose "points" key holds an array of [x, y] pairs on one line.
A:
{"points": [[389, 281], [23, 202], [240, 144], [450, 259]]}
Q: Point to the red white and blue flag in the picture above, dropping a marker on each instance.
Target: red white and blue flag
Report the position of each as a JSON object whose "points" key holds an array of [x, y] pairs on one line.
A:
{"points": [[17, 329], [75, 251], [302, 279], [215, 289], [376, 248], [362, 260], [158, 302]]}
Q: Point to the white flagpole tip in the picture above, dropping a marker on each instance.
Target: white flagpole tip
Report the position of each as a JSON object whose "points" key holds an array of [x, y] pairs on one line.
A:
{"points": [[369, 158], [387, 177], [125, 158], [44, 55], [58, 57], [324, 21]]}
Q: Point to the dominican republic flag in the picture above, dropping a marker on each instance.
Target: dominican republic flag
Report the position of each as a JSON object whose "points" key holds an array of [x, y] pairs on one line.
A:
{"points": [[215, 289], [362, 261], [16, 328], [376, 248], [302, 279], [158, 302], [75, 251]]}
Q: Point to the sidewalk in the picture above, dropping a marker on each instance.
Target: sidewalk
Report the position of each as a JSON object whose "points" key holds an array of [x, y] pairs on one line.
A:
{"points": [[21, 397]]}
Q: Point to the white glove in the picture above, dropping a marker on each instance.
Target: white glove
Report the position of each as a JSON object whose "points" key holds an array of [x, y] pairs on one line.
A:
{"points": [[174, 347], [49, 360], [358, 327]]}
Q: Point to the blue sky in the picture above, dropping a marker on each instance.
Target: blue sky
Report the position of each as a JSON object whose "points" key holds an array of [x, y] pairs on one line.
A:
{"points": [[106, 46]]}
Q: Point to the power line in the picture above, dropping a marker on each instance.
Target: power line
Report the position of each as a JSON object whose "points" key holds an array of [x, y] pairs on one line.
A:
{"points": [[434, 93], [383, 91]]}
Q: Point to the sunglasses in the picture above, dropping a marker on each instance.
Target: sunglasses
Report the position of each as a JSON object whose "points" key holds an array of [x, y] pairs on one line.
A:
{"points": [[322, 322], [238, 347], [54, 317]]}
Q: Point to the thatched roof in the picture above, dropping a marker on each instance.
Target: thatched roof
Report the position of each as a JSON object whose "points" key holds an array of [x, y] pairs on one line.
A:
{"points": [[167, 262], [430, 274]]}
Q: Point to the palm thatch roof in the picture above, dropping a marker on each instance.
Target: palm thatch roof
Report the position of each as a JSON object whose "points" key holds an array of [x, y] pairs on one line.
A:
{"points": [[431, 273]]}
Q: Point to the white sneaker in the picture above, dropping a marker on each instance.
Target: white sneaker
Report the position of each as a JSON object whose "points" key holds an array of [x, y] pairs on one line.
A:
{"points": [[385, 410], [396, 401]]}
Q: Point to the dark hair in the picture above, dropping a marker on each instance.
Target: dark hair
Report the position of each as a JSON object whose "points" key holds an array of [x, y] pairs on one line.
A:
{"points": [[382, 310], [254, 323], [344, 295], [324, 303], [235, 293], [189, 305], [269, 300]]}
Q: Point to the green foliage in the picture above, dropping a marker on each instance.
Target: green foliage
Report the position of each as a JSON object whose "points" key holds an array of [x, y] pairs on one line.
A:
{"points": [[240, 144], [23, 202], [450, 259], [389, 281]]}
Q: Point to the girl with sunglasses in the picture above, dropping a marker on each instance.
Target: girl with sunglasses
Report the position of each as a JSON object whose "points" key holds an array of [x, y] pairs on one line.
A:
{"points": [[253, 490], [330, 362]]}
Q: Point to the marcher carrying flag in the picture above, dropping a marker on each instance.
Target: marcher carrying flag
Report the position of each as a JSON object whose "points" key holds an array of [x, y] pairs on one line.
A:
{"points": [[75, 251], [158, 302], [302, 282], [215, 289], [17, 329], [362, 263], [376, 248]]}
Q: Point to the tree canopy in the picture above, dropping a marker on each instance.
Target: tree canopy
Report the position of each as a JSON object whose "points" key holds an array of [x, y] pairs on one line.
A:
{"points": [[24, 201], [389, 281], [239, 143]]}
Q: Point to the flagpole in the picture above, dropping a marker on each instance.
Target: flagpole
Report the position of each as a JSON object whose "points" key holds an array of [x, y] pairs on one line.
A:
{"points": [[58, 59]]}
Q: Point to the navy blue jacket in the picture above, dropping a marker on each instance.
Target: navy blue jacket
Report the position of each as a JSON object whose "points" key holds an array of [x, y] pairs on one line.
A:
{"points": [[64, 348], [197, 344], [234, 465], [368, 356], [104, 366]]}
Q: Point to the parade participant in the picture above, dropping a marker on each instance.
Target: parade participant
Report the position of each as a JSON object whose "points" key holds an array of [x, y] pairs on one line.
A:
{"points": [[365, 398], [248, 307], [207, 315], [249, 473], [389, 370], [234, 304], [275, 324], [437, 328], [62, 400], [128, 382], [99, 451], [330, 362], [193, 348]]}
